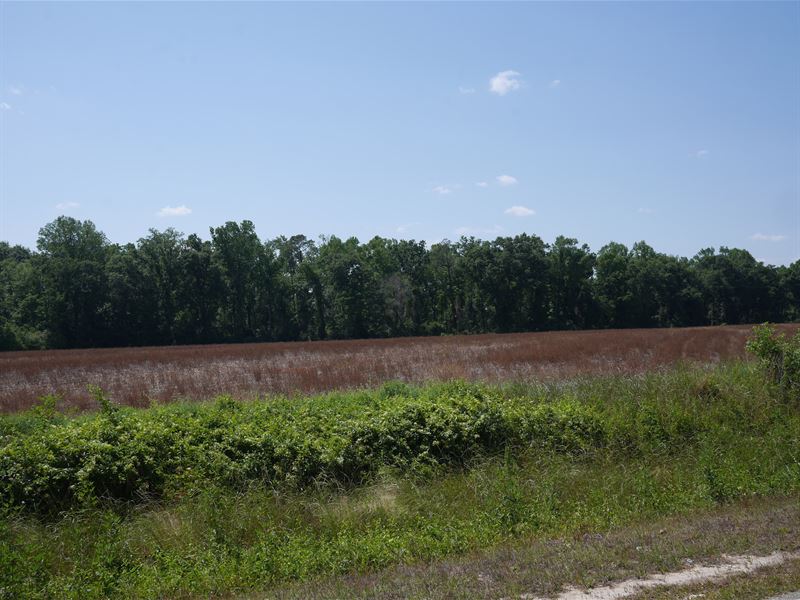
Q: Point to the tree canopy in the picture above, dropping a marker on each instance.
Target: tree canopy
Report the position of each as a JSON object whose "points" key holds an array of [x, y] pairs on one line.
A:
{"points": [[80, 290]]}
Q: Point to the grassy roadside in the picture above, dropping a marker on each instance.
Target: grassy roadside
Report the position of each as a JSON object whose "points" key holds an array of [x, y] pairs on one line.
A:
{"points": [[579, 459], [766, 583], [545, 566]]}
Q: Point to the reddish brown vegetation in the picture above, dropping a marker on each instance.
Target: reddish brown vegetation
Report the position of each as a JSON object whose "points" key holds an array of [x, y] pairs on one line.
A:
{"points": [[137, 376]]}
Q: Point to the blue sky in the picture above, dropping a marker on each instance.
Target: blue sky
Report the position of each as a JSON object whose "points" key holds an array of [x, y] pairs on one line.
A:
{"points": [[674, 123]]}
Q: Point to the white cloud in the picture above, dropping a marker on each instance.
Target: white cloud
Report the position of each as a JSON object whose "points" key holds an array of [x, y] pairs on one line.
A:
{"points": [[67, 205], [763, 237], [174, 211], [466, 90], [15, 90], [506, 180], [555, 83], [5, 106], [520, 211], [477, 231], [405, 228], [444, 189], [482, 184], [645, 211], [504, 82], [701, 153]]}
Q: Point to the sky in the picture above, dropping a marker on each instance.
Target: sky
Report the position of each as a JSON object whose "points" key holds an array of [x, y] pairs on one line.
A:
{"points": [[673, 123]]}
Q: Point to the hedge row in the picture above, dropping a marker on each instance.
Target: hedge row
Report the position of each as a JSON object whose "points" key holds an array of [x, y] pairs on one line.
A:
{"points": [[126, 454]]}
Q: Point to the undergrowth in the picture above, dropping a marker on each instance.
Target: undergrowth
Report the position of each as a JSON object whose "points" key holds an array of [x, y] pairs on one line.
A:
{"points": [[780, 357], [215, 498]]}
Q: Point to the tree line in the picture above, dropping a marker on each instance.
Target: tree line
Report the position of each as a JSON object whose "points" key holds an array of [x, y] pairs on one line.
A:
{"points": [[80, 290]]}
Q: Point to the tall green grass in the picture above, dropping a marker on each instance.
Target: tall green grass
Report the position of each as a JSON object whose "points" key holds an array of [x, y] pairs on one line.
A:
{"points": [[183, 500]]}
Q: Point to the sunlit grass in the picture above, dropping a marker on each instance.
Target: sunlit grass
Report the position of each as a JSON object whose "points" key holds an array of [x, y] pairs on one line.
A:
{"points": [[672, 443]]}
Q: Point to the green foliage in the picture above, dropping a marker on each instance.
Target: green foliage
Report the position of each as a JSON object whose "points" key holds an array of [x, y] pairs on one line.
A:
{"points": [[780, 358], [46, 409], [72, 271], [252, 494], [107, 408], [80, 290], [171, 450], [391, 389], [127, 454]]}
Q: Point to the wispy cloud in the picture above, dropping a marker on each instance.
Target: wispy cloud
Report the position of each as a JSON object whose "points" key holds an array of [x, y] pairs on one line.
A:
{"points": [[5, 106], [645, 211], [506, 180], [478, 231], [764, 237], [504, 82], [554, 84], [701, 153], [466, 90], [174, 211], [520, 211], [403, 229], [16, 90], [482, 184], [67, 205], [443, 190]]}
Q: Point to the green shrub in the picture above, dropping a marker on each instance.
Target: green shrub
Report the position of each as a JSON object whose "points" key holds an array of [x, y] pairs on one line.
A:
{"points": [[47, 407], [50, 462], [545, 460], [128, 454], [780, 358]]}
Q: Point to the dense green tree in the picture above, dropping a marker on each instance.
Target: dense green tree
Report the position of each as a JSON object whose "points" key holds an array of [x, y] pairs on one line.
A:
{"points": [[394, 266], [737, 288], [679, 293], [352, 290], [239, 254], [15, 253], [73, 261], [21, 301], [517, 281], [79, 290], [294, 301], [131, 302], [571, 268], [160, 263], [478, 311], [445, 285], [200, 292], [413, 266], [612, 288], [790, 284]]}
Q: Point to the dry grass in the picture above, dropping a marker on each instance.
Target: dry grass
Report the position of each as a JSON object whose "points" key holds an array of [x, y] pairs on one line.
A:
{"points": [[765, 583], [138, 376], [545, 567]]}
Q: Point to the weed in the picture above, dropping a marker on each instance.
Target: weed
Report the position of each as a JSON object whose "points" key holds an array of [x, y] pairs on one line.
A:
{"points": [[780, 358], [226, 497]]}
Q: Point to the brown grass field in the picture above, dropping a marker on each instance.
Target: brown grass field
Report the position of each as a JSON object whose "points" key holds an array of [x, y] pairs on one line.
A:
{"points": [[138, 376]]}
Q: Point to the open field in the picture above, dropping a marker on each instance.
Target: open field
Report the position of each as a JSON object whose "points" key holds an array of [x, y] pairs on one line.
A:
{"points": [[214, 499], [137, 376]]}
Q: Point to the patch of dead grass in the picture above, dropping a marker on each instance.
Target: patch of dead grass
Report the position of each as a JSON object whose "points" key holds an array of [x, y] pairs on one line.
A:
{"points": [[138, 376], [764, 583]]}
